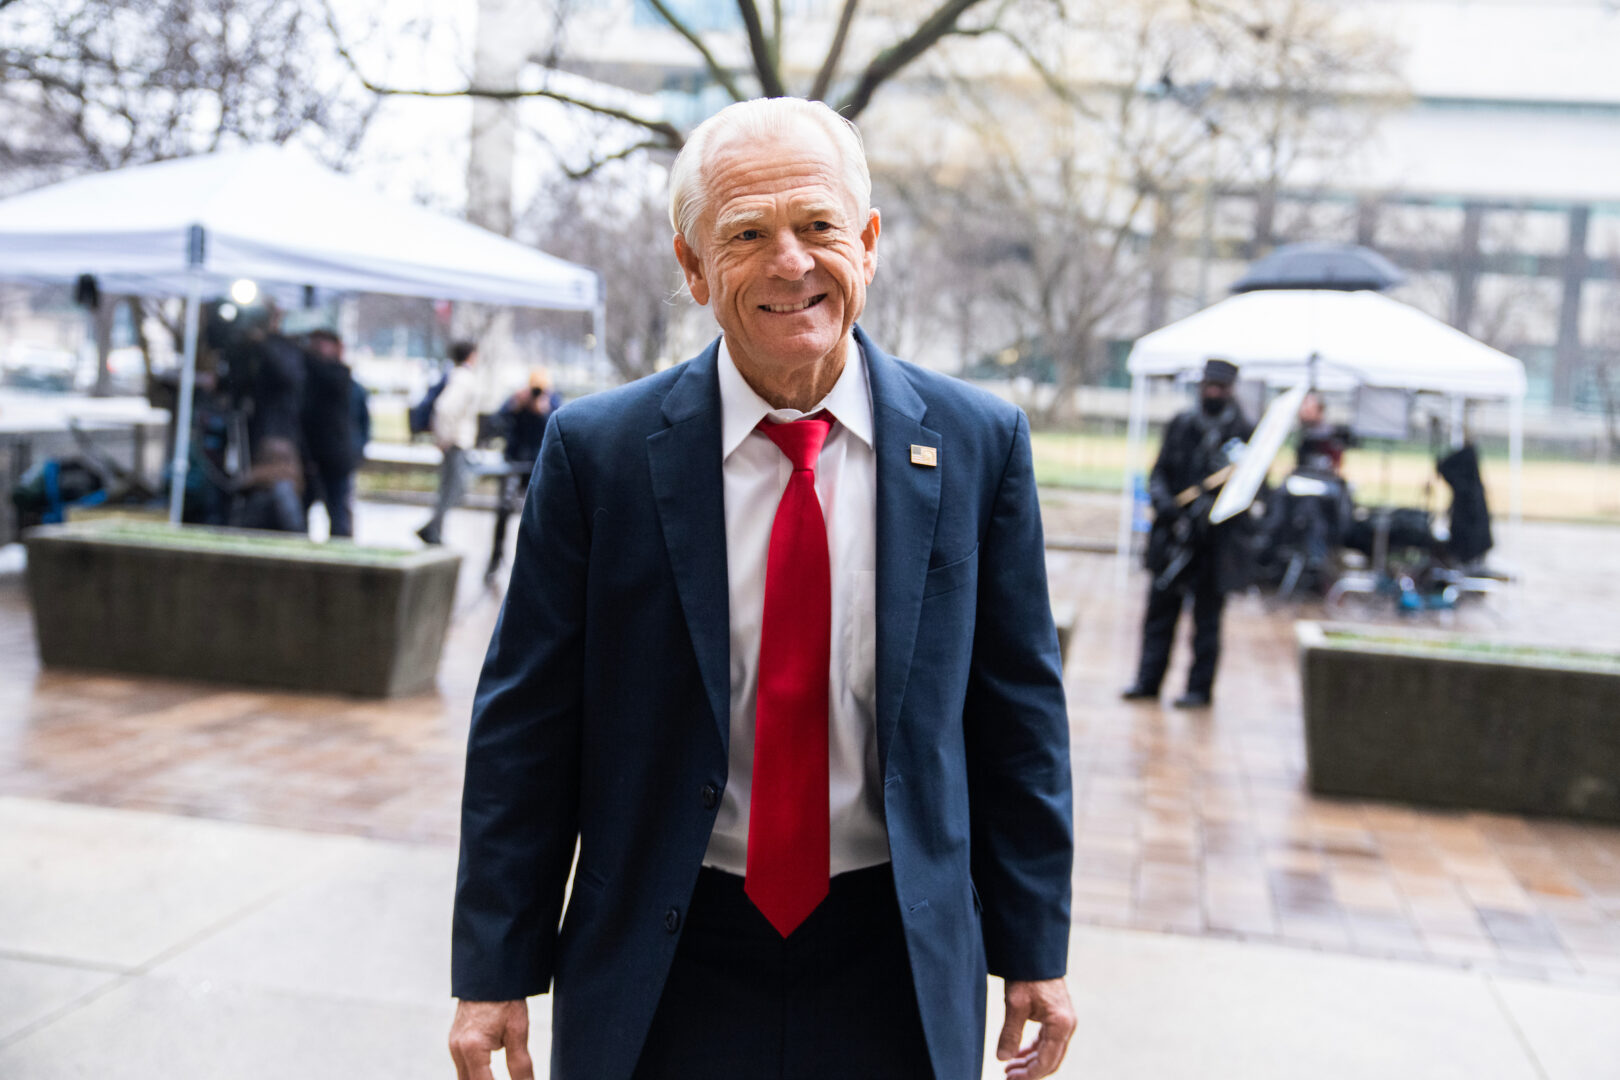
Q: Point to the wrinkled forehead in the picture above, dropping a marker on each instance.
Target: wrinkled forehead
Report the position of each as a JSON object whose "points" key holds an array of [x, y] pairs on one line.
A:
{"points": [[802, 156]]}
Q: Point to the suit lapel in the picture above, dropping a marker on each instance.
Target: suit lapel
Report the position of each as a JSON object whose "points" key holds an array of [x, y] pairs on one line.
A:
{"points": [[684, 460], [907, 506]]}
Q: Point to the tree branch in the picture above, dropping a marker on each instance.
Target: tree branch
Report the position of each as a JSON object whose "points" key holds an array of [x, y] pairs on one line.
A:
{"points": [[770, 79], [776, 34], [1210, 9], [886, 64], [1052, 80], [835, 52], [721, 75], [597, 163], [669, 133]]}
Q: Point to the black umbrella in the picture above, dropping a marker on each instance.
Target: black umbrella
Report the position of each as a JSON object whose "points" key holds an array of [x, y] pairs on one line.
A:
{"points": [[1346, 267]]}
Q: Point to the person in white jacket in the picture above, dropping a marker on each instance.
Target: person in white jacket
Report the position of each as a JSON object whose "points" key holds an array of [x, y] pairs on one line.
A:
{"points": [[455, 430]]}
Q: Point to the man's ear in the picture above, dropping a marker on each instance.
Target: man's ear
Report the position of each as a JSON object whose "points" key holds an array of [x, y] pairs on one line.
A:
{"points": [[692, 268], [869, 239]]}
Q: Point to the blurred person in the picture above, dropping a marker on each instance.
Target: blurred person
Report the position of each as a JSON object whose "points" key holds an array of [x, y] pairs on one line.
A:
{"points": [[1318, 514], [216, 430], [267, 369], [1321, 444], [778, 656], [329, 437], [1186, 555], [359, 419], [454, 425], [522, 420]]}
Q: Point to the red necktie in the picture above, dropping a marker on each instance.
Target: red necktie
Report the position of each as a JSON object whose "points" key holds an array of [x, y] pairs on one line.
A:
{"points": [[787, 809]]}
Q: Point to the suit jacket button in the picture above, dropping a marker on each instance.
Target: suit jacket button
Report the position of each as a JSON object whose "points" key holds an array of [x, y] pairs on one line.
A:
{"points": [[672, 920], [711, 796]]}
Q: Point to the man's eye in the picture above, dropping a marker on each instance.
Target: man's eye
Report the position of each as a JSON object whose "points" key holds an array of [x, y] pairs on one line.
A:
{"points": [[821, 226], [750, 234]]}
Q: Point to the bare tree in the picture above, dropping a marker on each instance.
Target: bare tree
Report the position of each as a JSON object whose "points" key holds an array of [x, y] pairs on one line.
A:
{"points": [[88, 85], [1047, 249], [617, 221], [762, 66], [1066, 221], [1442, 253], [1279, 74]]}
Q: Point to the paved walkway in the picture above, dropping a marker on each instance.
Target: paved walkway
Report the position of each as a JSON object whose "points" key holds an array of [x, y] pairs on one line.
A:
{"points": [[1286, 935], [139, 946], [1201, 824]]}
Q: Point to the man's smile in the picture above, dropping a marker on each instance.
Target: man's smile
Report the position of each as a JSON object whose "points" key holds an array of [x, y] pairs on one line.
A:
{"points": [[788, 309]]}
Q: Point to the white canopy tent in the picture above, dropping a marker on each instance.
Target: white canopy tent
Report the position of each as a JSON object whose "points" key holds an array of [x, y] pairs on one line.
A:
{"points": [[275, 216], [1340, 340]]}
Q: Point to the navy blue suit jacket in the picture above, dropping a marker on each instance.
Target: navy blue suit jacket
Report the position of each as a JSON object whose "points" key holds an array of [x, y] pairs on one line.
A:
{"points": [[603, 712]]}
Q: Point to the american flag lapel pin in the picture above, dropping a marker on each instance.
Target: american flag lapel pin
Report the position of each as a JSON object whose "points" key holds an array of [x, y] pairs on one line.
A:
{"points": [[924, 455]]}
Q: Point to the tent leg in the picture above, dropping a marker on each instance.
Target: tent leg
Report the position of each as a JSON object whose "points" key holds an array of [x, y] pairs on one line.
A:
{"points": [[1516, 484], [1135, 429], [188, 387]]}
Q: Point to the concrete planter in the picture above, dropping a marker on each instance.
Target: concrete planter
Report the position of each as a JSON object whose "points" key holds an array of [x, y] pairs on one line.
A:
{"points": [[243, 607], [1452, 722]]}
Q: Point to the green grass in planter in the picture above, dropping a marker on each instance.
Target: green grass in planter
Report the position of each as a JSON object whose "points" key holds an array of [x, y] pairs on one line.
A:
{"points": [[1475, 648], [241, 543]]}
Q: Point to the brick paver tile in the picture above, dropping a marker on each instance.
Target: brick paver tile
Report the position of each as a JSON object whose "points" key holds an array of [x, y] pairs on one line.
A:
{"points": [[1196, 823]]}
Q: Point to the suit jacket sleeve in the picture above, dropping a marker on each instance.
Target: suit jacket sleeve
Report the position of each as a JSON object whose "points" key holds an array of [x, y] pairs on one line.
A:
{"points": [[1017, 735], [519, 808]]}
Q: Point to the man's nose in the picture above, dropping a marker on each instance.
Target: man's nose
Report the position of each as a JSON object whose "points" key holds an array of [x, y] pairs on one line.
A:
{"points": [[789, 258]]}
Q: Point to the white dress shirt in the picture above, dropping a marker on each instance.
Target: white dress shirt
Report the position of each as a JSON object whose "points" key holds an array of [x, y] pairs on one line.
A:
{"points": [[755, 475]]}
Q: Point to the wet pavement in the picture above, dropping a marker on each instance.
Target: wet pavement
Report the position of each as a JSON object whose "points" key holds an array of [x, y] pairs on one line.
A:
{"points": [[1197, 824]]}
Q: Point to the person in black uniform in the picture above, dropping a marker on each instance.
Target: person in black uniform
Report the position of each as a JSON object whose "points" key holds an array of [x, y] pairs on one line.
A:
{"points": [[329, 438], [268, 373], [1186, 555]]}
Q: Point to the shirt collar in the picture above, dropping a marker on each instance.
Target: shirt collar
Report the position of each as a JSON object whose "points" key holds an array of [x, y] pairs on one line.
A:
{"points": [[850, 401]]}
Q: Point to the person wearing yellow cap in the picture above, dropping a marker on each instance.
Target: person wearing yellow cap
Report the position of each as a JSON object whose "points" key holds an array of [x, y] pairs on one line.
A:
{"points": [[522, 420]]}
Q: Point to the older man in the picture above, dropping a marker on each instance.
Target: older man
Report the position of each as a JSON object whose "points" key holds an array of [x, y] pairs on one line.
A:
{"points": [[777, 654]]}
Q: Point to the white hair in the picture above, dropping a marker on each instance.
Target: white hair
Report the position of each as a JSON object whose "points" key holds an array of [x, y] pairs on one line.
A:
{"points": [[760, 119]]}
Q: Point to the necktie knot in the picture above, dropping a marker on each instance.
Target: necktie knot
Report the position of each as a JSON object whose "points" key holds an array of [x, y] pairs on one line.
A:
{"points": [[800, 440]]}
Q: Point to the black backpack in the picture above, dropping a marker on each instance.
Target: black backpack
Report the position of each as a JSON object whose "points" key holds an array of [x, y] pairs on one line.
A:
{"points": [[421, 413]]}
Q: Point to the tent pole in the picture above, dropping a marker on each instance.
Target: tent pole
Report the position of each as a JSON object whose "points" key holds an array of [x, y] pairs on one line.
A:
{"points": [[1516, 475], [1134, 433], [188, 386]]}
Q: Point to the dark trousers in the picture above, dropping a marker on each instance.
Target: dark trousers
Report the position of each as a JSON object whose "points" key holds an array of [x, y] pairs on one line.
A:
{"points": [[514, 486], [835, 999], [335, 488], [1159, 626], [277, 506]]}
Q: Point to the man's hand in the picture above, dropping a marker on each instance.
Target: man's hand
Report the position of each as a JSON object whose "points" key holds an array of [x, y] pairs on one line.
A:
{"points": [[482, 1027], [1047, 1003]]}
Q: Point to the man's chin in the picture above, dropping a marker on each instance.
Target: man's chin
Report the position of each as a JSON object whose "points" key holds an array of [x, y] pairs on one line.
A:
{"points": [[795, 346]]}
